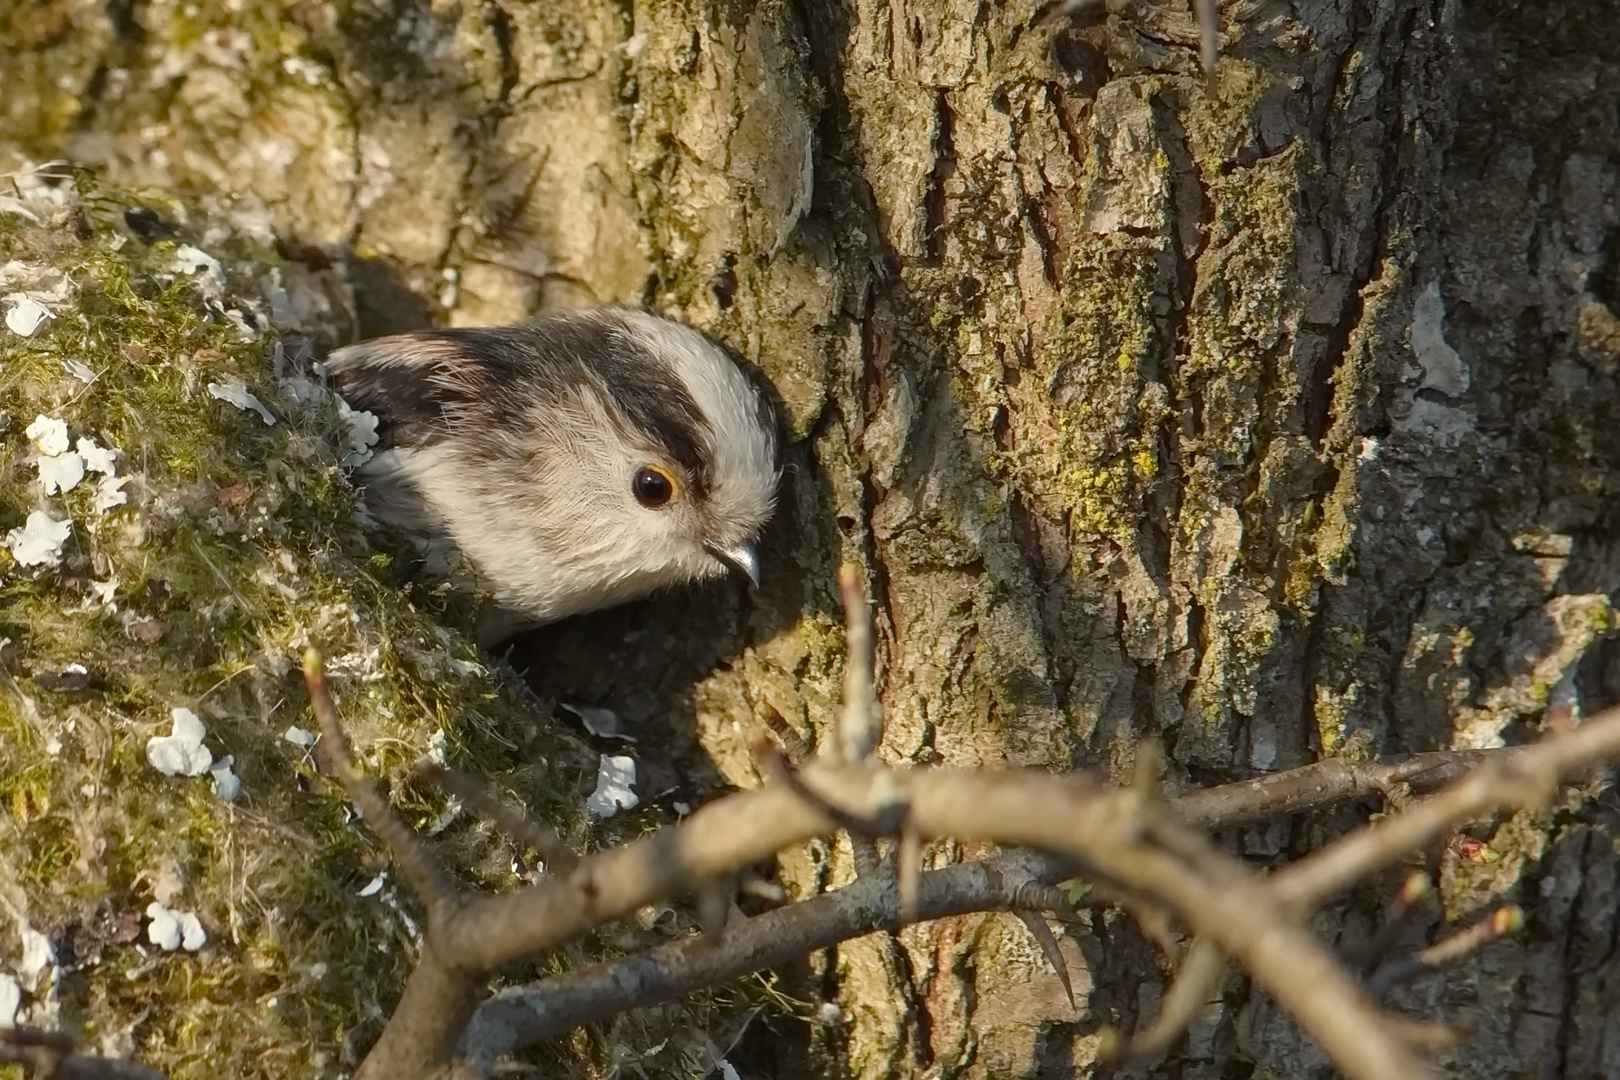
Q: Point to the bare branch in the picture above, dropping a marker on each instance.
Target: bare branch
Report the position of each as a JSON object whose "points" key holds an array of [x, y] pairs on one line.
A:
{"points": [[1522, 776], [1219, 899], [420, 1037], [716, 840], [1223, 902], [1036, 896], [1321, 783], [779, 766], [440, 995], [521, 1017], [1128, 838]]}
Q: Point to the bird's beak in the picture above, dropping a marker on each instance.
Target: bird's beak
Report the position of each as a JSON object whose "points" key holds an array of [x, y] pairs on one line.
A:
{"points": [[743, 558]]}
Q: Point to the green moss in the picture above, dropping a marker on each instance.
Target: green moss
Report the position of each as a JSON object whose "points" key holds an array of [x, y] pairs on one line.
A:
{"points": [[1098, 368], [1099, 500], [237, 547], [1216, 121], [823, 641]]}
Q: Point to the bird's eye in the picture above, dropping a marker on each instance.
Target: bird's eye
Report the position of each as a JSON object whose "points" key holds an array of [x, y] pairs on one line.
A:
{"points": [[652, 487]]}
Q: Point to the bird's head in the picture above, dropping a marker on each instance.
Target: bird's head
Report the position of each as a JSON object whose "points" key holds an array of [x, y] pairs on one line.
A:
{"points": [[578, 461]]}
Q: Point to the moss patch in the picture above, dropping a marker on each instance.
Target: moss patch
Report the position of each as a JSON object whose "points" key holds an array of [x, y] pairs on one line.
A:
{"points": [[237, 546]]}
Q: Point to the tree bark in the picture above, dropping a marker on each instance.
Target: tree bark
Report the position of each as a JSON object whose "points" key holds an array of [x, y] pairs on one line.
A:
{"points": [[1271, 418]]}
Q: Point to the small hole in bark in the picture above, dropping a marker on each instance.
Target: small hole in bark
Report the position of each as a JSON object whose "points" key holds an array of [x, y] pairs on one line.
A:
{"points": [[724, 282]]}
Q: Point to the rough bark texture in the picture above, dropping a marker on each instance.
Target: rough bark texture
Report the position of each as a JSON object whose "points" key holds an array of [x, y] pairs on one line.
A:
{"points": [[1251, 419]]}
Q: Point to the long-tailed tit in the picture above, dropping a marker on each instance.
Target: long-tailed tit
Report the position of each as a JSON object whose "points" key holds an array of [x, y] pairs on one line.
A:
{"points": [[576, 462]]}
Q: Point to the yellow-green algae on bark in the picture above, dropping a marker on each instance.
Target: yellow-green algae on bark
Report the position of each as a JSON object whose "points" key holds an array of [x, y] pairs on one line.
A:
{"points": [[237, 546]]}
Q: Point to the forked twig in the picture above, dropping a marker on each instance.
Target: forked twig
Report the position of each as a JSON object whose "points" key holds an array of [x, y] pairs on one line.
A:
{"points": [[1131, 838]]}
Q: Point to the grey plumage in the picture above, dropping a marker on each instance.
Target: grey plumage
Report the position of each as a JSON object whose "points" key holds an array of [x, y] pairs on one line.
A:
{"points": [[576, 462]]}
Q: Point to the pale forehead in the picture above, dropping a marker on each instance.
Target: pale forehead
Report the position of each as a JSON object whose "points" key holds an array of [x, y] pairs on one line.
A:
{"points": [[742, 436]]}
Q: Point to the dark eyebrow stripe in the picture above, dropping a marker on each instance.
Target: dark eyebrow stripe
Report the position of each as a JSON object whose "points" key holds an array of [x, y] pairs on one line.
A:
{"points": [[636, 381], [529, 364]]}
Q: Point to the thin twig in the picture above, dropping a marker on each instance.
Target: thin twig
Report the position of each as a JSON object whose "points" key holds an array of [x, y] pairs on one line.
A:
{"points": [[441, 992], [1517, 777], [1501, 923], [907, 868], [524, 1016], [1412, 892], [860, 727], [1209, 29], [1126, 837], [774, 766], [1219, 898], [1321, 783], [416, 864], [1419, 1035], [1200, 977], [1087, 819], [559, 857]]}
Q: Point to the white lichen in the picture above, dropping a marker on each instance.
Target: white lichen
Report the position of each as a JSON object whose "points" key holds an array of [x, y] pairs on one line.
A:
{"points": [[49, 434], [197, 263], [39, 542], [37, 953], [171, 930], [98, 459], [60, 473], [181, 752], [227, 785], [299, 737], [615, 786], [25, 315], [359, 437], [235, 392], [10, 1000]]}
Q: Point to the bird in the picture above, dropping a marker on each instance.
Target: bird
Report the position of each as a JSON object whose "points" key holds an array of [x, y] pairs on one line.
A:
{"points": [[574, 462]]}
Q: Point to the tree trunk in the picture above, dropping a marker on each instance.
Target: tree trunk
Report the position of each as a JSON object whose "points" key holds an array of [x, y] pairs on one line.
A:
{"points": [[1270, 418]]}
